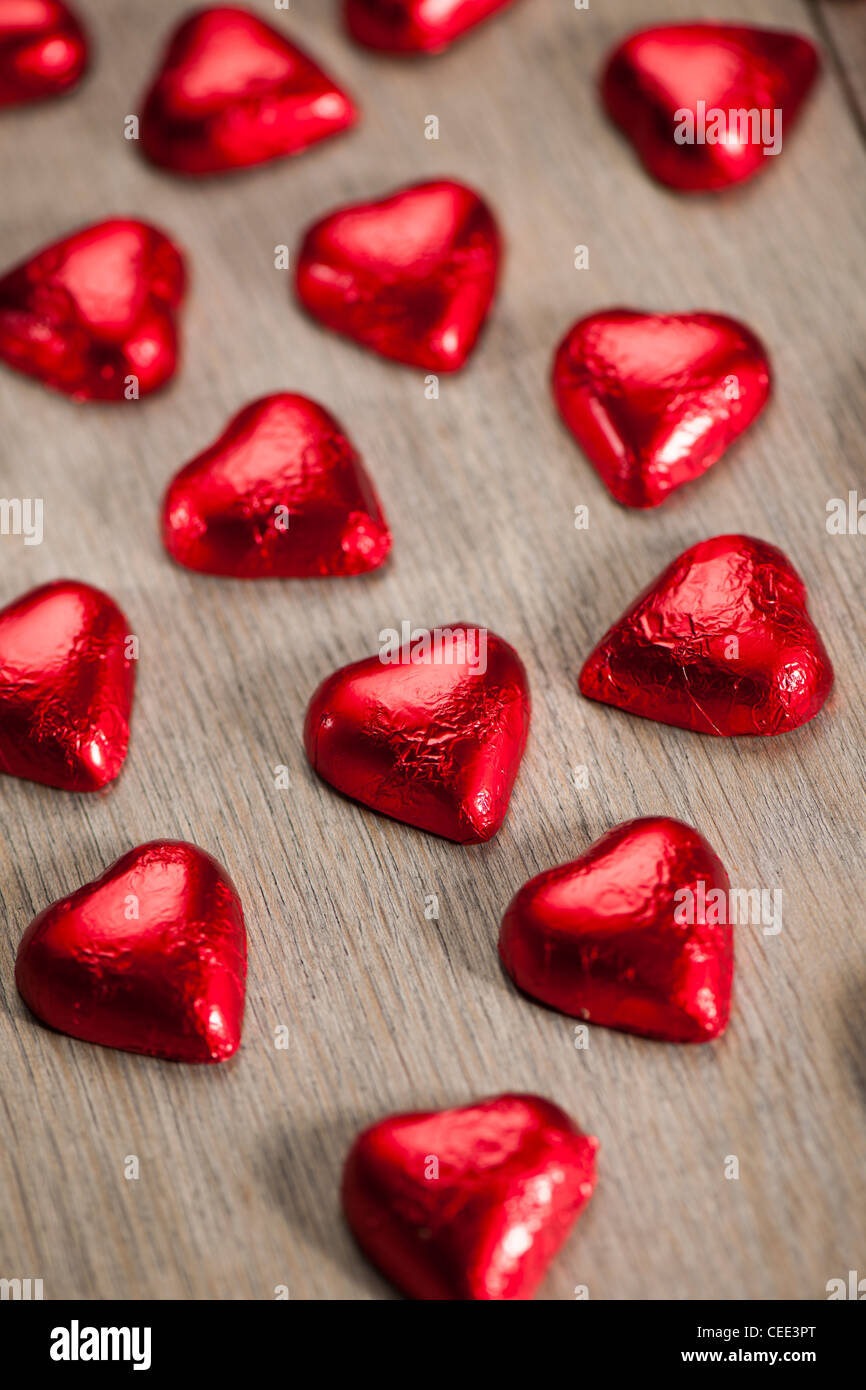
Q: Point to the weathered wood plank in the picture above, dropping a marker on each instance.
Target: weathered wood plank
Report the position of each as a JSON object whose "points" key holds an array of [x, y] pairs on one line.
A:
{"points": [[240, 1164]]}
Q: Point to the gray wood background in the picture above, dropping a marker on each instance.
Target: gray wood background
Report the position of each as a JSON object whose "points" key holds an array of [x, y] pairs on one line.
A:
{"points": [[240, 1164]]}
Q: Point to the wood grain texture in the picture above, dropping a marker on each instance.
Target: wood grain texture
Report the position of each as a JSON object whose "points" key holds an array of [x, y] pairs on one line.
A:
{"points": [[841, 27], [386, 1010]]}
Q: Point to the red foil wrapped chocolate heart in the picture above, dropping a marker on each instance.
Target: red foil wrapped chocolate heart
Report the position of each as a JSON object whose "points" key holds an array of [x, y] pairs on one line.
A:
{"points": [[629, 935], [416, 26], [721, 642], [94, 314], [231, 92], [411, 276], [43, 50], [150, 958], [66, 685], [654, 400], [704, 103], [471, 1203], [281, 494], [430, 732]]}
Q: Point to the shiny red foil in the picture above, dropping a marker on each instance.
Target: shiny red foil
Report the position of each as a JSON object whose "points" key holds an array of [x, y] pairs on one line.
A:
{"points": [[89, 312], [411, 276], [232, 91], [66, 686], [151, 957], [600, 938], [432, 742], [721, 642], [658, 72], [43, 50], [416, 26], [654, 400], [281, 494], [472, 1203]]}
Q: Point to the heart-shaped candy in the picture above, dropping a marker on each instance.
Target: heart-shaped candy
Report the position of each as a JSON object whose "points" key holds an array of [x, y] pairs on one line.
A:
{"points": [[721, 642], [630, 935], [231, 91], [151, 957], [430, 731], [66, 681], [282, 493], [471, 1203], [708, 105], [94, 315], [654, 400], [416, 26], [411, 276], [43, 50]]}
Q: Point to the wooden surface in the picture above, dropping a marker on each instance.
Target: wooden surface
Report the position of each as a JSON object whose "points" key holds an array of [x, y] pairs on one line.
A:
{"points": [[240, 1164]]}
